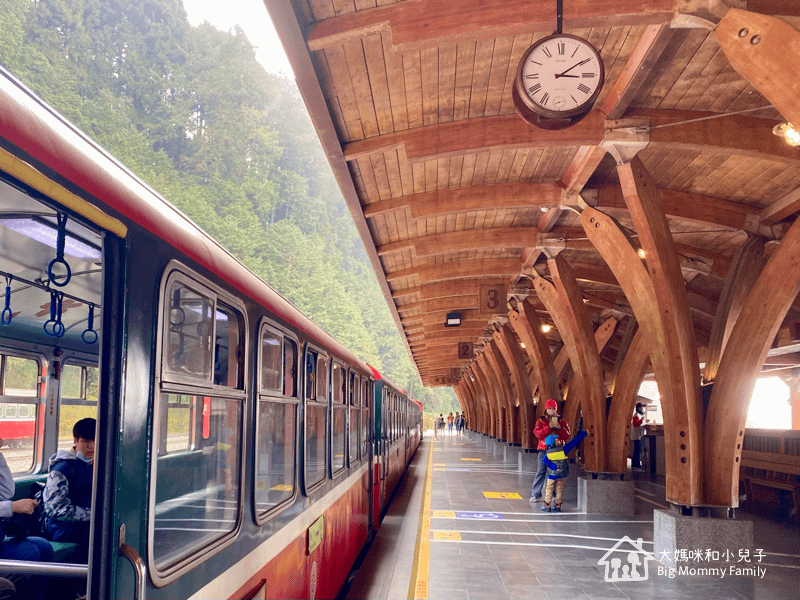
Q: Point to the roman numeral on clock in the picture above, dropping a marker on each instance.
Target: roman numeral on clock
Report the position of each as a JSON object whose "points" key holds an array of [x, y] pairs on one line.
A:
{"points": [[545, 98], [583, 88], [534, 88], [547, 52]]}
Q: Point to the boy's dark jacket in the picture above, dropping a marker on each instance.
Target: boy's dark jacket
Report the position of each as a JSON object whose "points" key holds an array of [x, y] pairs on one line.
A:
{"points": [[556, 458]]}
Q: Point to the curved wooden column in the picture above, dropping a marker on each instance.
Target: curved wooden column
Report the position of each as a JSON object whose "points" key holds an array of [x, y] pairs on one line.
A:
{"points": [[626, 386], [461, 394], [490, 383], [484, 417], [474, 415], [522, 387], [482, 370], [528, 327], [745, 268], [681, 426], [495, 360], [647, 213], [751, 338], [564, 301], [488, 396]]}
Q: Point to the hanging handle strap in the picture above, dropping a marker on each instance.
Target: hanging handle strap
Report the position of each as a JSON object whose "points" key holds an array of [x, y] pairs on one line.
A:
{"points": [[60, 280], [6, 315]]}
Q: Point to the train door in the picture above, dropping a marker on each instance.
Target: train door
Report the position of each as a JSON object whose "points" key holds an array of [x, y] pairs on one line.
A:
{"points": [[60, 261]]}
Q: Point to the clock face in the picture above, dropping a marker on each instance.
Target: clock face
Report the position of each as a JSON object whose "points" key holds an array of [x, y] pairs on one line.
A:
{"points": [[560, 76]]}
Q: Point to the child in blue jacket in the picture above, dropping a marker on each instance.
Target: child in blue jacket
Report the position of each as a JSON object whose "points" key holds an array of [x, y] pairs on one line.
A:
{"points": [[557, 465]]}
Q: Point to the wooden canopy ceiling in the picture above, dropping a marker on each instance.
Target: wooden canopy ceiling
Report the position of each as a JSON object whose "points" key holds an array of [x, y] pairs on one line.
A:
{"points": [[453, 193]]}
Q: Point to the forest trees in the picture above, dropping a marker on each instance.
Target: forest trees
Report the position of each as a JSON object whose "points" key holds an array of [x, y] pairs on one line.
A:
{"points": [[191, 112]]}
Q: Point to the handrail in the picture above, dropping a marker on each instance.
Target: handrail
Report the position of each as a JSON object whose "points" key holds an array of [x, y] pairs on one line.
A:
{"points": [[139, 584], [44, 568]]}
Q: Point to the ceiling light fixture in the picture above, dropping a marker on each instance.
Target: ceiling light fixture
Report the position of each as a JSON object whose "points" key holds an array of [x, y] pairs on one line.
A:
{"points": [[642, 253], [546, 327], [453, 319], [789, 134]]}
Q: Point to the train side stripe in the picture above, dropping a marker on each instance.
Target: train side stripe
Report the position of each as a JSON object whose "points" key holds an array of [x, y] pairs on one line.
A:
{"points": [[30, 176], [237, 575]]}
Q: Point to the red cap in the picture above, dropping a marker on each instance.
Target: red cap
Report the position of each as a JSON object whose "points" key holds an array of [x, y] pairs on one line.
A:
{"points": [[550, 404]]}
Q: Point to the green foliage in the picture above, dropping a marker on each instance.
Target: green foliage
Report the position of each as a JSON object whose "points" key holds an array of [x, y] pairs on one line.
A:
{"points": [[191, 112]]}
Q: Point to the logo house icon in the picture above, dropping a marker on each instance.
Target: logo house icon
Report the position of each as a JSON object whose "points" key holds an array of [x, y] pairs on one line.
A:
{"points": [[633, 567]]}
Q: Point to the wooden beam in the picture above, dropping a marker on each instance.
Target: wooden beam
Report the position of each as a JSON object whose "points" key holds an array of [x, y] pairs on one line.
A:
{"points": [[565, 305], [477, 135], [688, 206], [460, 269], [780, 209], [761, 317], [479, 197], [581, 168], [430, 23], [747, 265], [623, 402], [499, 237], [528, 328], [504, 338], [732, 135], [460, 287], [765, 50], [637, 70]]}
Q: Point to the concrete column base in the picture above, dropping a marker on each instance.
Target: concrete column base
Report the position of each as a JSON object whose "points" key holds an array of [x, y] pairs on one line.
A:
{"points": [[677, 539], [527, 461], [608, 496]]}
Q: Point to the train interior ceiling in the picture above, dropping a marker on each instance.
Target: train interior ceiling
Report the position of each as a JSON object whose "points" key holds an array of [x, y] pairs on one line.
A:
{"points": [[51, 265]]}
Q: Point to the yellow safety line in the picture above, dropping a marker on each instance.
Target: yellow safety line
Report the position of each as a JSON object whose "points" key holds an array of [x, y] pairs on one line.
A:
{"points": [[418, 586], [32, 177]]}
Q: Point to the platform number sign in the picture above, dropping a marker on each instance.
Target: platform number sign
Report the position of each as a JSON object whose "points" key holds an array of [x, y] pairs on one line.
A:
{"points": [[465, 350], [493, 299]]}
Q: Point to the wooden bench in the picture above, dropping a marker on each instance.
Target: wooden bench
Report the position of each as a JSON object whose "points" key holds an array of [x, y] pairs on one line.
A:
{"points": [[63, 552], [769, 460]]}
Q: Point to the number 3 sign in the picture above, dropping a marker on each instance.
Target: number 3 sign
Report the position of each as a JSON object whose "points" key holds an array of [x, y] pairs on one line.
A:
{"points": [[493, 299]]}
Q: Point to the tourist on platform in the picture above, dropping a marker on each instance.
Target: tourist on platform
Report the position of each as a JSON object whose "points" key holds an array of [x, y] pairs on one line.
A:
{"points": [[459, 423], [438, 425], [450, 420], [548, 424], [637, 431], [557, 463]]}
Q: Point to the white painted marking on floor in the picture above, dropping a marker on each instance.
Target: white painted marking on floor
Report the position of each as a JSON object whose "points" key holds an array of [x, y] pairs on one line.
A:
{"points": [[533, 544]]}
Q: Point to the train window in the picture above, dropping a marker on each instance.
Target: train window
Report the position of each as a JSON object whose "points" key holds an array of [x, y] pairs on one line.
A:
{"points": [[366, 400], [354, 412], [277, 423], [338, 416], [79, 385], [195, 489], [316, 418], [19, 402], [191, 325], [20, 376]]}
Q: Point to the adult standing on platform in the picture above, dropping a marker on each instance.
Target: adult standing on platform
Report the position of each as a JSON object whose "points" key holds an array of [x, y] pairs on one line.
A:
{"points": [[450, 420], [637, 431], [550, 423]]}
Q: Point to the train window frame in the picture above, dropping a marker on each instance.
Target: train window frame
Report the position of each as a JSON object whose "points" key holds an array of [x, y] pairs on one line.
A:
{"points": [[340, 404], [368, 423], [273, 396], [166, 383], [316, 400], [354, 416], [36, 401]]}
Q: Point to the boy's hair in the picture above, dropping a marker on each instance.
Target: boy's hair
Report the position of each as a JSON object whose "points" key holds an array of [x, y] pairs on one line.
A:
{"points": [[550, 440], [85, 428]]}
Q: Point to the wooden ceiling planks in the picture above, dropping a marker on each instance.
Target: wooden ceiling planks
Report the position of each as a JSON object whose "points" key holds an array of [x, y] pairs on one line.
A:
{"points": [[381, 80]]}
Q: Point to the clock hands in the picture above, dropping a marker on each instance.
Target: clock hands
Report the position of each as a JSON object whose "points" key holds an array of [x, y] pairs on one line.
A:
{"points": [[563, 73]]}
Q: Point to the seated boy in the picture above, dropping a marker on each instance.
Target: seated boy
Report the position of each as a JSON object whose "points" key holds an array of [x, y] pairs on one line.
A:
{"points": [[68, 492]]}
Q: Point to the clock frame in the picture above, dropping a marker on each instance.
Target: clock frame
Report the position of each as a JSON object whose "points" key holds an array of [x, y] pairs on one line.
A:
{"points": [[576, 97]]}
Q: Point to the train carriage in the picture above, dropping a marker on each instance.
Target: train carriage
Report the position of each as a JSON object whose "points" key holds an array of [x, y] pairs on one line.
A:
{"points": [[241, 451]]}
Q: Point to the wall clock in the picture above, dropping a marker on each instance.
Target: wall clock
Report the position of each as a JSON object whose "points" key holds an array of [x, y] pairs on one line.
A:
{"points": [[558, 80]]}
